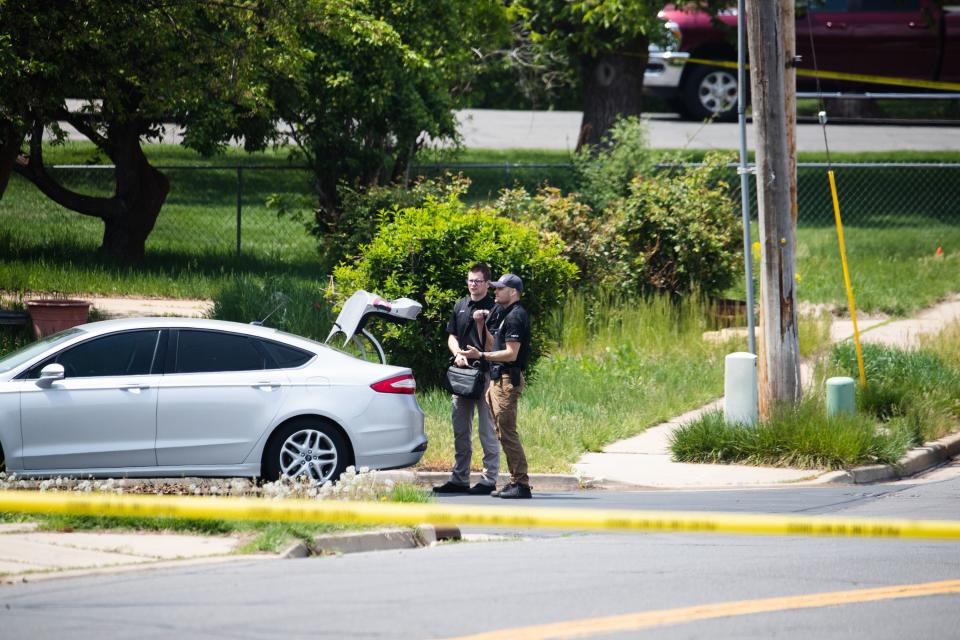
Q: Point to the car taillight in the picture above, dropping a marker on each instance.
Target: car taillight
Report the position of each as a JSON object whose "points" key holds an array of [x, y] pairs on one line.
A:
{"points": [[398, 384]]}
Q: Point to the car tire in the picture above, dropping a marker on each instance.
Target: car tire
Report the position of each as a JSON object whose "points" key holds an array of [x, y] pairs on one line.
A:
{"points": [[710, 92], [306, 447]]}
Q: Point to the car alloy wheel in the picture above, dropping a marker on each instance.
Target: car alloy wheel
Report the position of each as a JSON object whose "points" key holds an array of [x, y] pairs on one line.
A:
{"points": [[307, 448], [308, 452]]}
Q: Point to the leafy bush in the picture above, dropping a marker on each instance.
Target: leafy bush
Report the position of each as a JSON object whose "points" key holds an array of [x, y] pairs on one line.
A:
{"points": [[287, 303], [677, 233], [604, 172], [584, 233], [362, 211], [424, 254]]}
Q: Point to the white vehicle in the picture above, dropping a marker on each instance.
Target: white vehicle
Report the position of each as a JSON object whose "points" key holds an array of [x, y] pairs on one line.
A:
{"points": [[188, 397]]}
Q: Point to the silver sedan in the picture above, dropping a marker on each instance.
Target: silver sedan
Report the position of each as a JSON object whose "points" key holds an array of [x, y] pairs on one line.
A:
{"points": [[176, 397]]}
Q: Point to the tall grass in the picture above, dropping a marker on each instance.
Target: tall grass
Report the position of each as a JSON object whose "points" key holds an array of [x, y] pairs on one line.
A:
{"points": [[911, 397], [800, 437], [618, 366]]}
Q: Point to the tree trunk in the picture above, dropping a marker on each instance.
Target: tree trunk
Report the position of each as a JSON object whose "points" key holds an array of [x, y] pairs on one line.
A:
{"points": [[612, 88], [130, 214], [141, 191], [11, 139]]}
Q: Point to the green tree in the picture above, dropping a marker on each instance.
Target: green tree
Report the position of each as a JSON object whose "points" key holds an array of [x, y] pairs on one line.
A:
{"points": [[385, 78], [203, 64], [607, 42]]}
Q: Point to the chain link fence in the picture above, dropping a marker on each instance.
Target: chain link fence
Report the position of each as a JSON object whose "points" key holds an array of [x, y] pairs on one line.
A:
{"points": [[891, 212]]}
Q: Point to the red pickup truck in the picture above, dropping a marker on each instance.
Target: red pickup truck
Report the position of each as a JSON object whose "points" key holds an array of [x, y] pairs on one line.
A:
{"points": [[917, 39]]}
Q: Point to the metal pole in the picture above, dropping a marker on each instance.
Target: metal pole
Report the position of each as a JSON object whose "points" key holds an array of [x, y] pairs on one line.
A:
{"points": [[239, 204], [744, 172]]}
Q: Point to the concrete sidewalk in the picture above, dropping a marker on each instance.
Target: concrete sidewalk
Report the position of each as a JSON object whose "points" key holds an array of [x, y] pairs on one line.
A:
{"points": [[644, 460], [28, 555]]}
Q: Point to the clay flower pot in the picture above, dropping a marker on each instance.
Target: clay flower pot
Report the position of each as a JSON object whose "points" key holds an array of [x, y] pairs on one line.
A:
{"points": [[51, 316]]}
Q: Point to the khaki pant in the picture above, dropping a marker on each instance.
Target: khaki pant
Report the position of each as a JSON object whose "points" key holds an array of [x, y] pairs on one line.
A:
{"points": [[503, 396]]}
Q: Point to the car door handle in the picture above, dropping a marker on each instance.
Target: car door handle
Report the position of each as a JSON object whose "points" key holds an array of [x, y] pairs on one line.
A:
{"points": [[134, 388], [266, 385], [836, 25]]}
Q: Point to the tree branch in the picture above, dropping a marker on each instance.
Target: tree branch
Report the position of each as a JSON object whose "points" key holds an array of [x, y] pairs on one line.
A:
{"points": [[32, 168], [81, 122]]}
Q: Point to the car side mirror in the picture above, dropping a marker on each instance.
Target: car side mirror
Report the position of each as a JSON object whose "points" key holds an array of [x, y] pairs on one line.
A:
{"points": [[49, 374]]}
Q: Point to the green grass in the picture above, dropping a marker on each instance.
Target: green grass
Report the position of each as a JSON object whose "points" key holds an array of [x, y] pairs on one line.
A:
{"points": [[911, 397], [190, 253], [617, 368], [801, 438]]}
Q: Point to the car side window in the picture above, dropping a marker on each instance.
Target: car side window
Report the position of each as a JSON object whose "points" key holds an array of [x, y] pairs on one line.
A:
{"points": [[284, 356], [887, 6], [211, 351], [131, 353], [828, 6]]}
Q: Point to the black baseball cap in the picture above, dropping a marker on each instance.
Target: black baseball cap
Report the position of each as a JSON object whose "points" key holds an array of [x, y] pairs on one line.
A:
{"points": [[508, 280]]}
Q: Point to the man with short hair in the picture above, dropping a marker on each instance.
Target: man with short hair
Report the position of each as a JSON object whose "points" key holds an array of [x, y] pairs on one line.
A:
{"points": [[463, 332], [507, 344]]}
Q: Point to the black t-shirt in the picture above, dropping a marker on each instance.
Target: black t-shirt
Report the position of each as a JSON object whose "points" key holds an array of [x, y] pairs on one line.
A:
{"points": [[510, 324], [462, 324]]}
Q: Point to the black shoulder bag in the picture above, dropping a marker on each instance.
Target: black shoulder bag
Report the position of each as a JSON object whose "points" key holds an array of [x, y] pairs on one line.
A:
{"points": [[466, 382]]}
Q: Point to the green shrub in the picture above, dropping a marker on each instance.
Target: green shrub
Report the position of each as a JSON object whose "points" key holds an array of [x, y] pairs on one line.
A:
{"points": [[287, 303], [604, 172], [424, 254], [583, 232], [363, 211], [677, 233]]}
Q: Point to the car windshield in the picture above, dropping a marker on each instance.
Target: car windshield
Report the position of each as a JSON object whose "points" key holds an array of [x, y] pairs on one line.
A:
{"points": [[18, 357]]}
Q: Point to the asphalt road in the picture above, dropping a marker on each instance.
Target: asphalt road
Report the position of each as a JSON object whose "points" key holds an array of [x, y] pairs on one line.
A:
{"points": [[603, 585], [497, 129], [501, 129]]}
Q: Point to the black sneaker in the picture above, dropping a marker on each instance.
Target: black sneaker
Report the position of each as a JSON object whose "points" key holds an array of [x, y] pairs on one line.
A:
{"points": [[481, 489], [516, 491], [496, 493], [452, 487]]}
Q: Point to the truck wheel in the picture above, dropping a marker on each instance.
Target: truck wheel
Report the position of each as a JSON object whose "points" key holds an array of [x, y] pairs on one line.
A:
{"points": [[711, 92]]}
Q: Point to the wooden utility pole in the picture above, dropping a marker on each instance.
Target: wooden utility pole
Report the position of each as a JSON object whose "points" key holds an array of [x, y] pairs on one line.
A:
{"points": [[770, 35]]}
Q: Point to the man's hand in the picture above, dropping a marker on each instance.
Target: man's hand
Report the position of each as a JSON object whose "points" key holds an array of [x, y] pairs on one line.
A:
{"points": [[471, 353], [460, 360], [480, 316]]}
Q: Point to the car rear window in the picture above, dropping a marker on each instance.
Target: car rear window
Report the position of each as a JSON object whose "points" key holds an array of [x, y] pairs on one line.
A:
{"points": [[285, 356]]}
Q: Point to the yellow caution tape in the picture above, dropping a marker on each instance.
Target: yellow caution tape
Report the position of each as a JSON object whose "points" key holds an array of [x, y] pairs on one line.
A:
{"points": [[206, 508], [852, 77]]}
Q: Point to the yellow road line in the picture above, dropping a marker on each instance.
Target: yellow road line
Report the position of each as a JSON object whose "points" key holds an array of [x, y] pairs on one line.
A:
{"points": [[852, 77], [332, 511], [648, 619]]}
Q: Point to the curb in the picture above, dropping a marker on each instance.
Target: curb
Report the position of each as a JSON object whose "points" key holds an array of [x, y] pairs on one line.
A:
{"points": [[423, 535], [538, 481], [913, 462]]}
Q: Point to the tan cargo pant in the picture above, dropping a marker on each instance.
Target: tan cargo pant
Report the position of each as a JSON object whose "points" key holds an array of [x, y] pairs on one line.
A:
{"points": [[503, 396]]}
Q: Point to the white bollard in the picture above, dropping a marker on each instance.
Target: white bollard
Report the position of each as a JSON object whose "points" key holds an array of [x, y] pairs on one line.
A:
{"points": [[740, 401]]}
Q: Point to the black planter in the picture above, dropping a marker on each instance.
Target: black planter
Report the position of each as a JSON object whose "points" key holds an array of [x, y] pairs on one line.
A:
{"points": [[13, 318]]}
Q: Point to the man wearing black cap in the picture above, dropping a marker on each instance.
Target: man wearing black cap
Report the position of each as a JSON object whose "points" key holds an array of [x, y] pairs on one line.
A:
{"points": [[507, 331]]}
